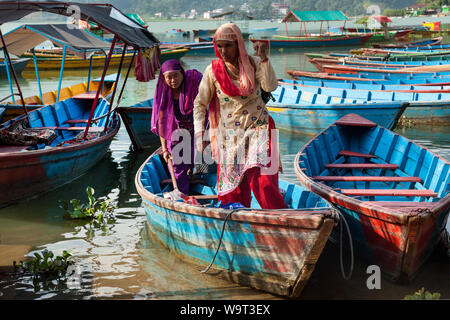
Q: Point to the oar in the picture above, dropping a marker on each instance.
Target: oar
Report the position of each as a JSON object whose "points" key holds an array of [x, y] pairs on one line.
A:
{"points": [[172, 174], [176, 193]]}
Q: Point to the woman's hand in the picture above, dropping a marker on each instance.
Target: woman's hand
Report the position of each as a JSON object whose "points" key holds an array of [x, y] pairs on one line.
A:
{"points": [[166, 155], [261, 49], [200, 144]]}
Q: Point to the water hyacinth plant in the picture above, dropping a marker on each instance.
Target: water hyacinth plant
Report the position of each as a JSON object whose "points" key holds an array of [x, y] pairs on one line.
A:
{"points": [[45, 264], [95, 209], [423, 295]]}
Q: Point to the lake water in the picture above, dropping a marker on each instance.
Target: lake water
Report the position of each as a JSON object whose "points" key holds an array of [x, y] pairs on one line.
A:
{"points": [[123, 261]]}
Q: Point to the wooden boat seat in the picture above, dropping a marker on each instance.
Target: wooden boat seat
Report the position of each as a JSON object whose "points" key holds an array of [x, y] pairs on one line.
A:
{"points": [[386, 166], [389, 192], [367, 178], [346, 153], [205, 196], [79, 121], [91, 129], [90, 95], [401, 204]]}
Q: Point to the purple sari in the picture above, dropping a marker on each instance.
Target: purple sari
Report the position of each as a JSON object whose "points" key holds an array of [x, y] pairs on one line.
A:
{"points": [[169, 114]]}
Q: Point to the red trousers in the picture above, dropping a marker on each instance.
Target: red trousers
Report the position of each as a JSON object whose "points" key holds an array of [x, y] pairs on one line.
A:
{"points": [[265, 188]]}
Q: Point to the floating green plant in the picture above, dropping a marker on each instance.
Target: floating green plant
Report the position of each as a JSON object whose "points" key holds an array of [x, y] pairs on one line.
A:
{"points": [[45, 264], [423, 295], [95, 209]]}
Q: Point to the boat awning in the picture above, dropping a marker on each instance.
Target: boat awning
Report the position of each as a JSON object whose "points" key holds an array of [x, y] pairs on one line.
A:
{"points": [[311, 16], [105, 15], [137, 18], [77, 41]]}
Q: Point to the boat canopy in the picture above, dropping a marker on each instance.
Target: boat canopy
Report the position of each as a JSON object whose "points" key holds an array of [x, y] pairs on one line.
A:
{"points": [[105, 15], [77, 41], [311, 16]]}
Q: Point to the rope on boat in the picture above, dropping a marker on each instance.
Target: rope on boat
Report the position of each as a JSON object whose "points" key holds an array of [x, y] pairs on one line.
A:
{"points": [[342, 219], [220, 239], [346, 277]]}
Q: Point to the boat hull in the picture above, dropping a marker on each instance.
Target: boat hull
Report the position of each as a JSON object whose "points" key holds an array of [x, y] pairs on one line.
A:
{"points": [[273, 251]]}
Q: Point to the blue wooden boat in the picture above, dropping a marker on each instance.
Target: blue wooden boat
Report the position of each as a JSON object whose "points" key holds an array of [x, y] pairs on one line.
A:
{"points": [[361, 86], [270, 250], [377, 79], [309, 113], [424, 107], [393, 192], [137, 119], [46, 149], [18, 64], [195, 48]]}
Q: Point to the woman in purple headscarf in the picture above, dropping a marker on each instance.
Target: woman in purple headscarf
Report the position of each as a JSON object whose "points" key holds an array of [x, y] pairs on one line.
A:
{"points": [[172, 110]]}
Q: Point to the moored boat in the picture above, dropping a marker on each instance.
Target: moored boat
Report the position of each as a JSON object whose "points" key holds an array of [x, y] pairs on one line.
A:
{"points": [[46, 149], [19, 66], [308, 113], [12, 110], [270, 250], [137, 119], [424, 107], [410, 45], [392, 191]]}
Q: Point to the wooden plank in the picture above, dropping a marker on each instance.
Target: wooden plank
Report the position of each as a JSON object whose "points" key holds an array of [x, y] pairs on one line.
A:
{"points": [[205, 196], [408, 204], [389, 192], [91, 129], [361, 166], [367, 178], [87, 95], [76, 121], [355, 154]]}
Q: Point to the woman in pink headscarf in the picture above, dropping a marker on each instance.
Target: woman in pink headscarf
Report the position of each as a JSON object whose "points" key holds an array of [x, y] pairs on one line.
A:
{"points": [[240, 125], [175, 92]]}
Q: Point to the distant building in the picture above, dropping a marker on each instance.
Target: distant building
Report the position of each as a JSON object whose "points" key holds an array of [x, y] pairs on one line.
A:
{"points": [[280, 10], [415, 8], [192, 14]]}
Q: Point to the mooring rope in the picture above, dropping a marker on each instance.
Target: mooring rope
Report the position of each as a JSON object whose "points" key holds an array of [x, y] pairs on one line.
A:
{"points": [[346, 277], [220, 239]]}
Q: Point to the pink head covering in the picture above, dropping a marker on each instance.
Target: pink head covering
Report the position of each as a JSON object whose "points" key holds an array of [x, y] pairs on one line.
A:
{"points": [[231, 32]]}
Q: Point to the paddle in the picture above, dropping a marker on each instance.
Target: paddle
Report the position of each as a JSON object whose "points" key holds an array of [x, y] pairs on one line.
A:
{"points": [[175, 194]]}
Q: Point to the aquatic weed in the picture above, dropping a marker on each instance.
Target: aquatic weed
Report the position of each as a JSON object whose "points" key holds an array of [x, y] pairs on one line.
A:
{"points": [[95, 209], [423, 295]]}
